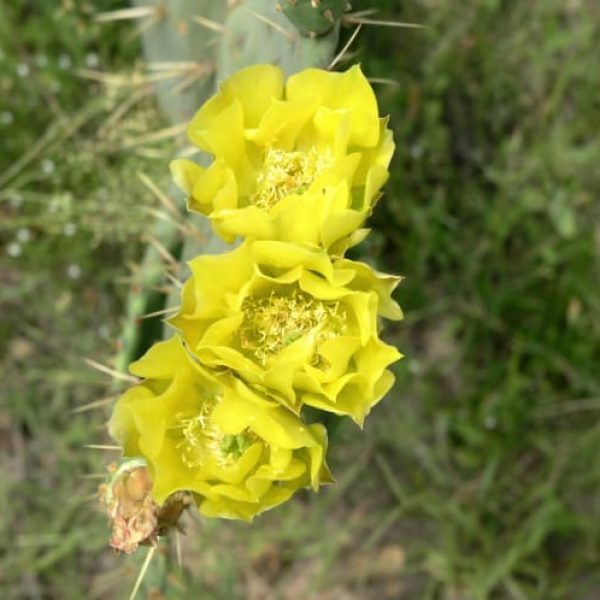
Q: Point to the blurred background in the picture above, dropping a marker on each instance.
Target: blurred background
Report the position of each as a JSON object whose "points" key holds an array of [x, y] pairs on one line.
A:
{"points": [[478, 477]]}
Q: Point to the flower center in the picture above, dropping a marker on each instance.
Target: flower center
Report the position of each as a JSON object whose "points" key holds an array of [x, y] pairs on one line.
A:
{"points": [[275, 321], [286, 173], [201, 439]]}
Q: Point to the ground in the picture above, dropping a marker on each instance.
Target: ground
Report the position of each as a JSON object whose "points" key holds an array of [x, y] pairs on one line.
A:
{"points": [[477, 477]]}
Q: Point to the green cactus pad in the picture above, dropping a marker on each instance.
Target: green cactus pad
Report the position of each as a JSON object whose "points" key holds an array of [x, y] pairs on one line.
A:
{"points": [[257, 32], [176, 38], [314, 17]]}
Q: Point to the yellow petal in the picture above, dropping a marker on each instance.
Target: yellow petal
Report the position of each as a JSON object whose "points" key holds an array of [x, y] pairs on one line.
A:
{"points": [[160, 359], [282, 122], [248, 222], [185, 174], [255, 87], [217, 184], [349, 90]]}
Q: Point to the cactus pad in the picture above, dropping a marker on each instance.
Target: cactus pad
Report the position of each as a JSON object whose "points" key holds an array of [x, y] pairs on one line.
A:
{"points": [[258, 32]]}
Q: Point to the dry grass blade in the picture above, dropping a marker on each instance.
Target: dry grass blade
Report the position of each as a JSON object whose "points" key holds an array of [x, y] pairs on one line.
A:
{"points": [[61, 130], [572, 407], [125, 80], [111, 79], [122, 109], [150, 153], [102, 447], [108, 371], [35, 150], [345, 49], [182, 66]]}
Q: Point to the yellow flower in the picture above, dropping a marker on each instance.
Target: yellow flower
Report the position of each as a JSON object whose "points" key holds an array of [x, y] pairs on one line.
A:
{"points": [[291, 321], [301, 162], [237, 452]]}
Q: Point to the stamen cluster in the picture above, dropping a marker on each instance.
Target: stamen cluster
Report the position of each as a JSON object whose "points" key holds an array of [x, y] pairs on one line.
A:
{"points": [[286, 173], [276, 321]]}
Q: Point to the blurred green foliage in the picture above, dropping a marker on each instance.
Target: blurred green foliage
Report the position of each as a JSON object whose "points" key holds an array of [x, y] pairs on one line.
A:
{"points": [[478, 477]]}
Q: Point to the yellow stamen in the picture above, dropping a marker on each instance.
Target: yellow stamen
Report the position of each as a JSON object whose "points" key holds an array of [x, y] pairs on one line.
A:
{"points": [[286, 173], [273, 322]]}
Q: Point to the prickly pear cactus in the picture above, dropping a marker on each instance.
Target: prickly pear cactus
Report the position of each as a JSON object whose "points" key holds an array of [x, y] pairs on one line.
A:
{"points": [[216, 38], [314, 17]]}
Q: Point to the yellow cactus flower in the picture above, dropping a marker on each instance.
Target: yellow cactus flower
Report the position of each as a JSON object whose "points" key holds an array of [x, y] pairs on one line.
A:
{"points": [[238, 453], [300, 162], [291, 321]]}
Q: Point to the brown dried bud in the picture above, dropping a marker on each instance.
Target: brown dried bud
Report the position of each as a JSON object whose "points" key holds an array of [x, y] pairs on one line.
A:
{"points": [[136, 518]]}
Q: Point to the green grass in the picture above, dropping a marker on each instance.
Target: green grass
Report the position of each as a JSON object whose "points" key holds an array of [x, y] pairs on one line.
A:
{"points": [[478, 476]]}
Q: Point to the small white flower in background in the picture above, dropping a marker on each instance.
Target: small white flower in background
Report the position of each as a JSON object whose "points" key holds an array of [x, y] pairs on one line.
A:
{"points": [[104, 331], [47, 166], [415, 367], [91, 60], [490, 422], [64, 61], [16, 200], [22, 69], [70, 229], [416, 151], [24, 235], [13, 249], [74, 271], [7, 118], [41, 60]]}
